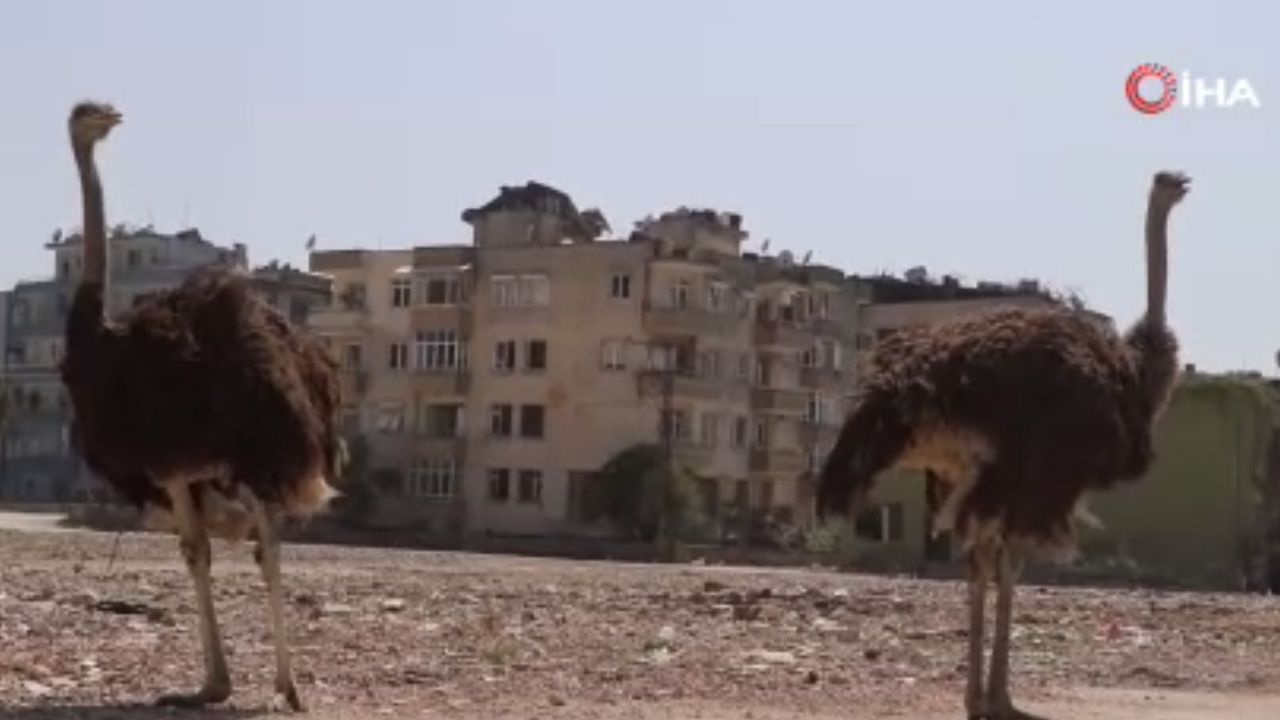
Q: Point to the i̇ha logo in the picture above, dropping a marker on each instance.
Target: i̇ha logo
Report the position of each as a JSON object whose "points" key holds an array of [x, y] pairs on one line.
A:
{"points": [[1153, 88]]}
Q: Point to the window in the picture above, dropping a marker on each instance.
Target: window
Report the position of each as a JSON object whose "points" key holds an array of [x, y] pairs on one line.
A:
{"points": [[744, 366], [354, 359], [881, 524], [679, 425], [401, 293], [709, 364], [133, 258], [398, 356], [504, 356], [391, 419], [535, 355], [506, 291], [620, 287], [809, 358], [766, 494], [352, 297], [441, 290], [680, 294], [863, 341], [740, 431], [708, 429], [613, 355], [529, 486], [441, 420], [716, 297], [813, 409], [499, 484], [829, 354], [817, 455], [532, 421], [764, 374], [535, 290], [521, 291], [436, 350], [762, 433], [435, 478], [500, 420]]}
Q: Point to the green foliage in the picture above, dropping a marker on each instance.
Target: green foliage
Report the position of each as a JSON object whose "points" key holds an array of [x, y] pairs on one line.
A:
{"points": [[358, 495], [631, 484]]}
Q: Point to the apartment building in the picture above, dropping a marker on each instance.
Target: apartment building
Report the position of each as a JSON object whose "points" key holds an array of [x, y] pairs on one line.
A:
{"points": [[36, 462], [491, 381]]}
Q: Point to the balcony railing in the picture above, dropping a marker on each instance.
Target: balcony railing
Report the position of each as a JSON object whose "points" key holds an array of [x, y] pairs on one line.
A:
{"points": [[777, 460], [778, 333], [689, 320], [777, 400]]}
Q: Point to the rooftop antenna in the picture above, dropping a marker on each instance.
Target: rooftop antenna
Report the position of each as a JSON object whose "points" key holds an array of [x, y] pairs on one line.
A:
{"points": [[807, 257], [764, 246]]}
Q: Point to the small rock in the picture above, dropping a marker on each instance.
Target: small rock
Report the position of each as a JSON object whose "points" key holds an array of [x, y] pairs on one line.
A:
{"points": [[871, 654], [714, 586], [36, 689], [393, 605]]}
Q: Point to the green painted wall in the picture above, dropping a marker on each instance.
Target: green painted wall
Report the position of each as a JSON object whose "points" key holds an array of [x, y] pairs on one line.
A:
{"points": [[1196, 517]]}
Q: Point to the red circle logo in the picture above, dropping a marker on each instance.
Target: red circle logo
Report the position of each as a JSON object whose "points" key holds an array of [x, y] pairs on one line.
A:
{"points": [[1168, 88]]}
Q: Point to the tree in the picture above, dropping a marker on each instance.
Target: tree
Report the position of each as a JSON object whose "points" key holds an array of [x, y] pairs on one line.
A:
{"points": [[358, 496], [631, 490]]}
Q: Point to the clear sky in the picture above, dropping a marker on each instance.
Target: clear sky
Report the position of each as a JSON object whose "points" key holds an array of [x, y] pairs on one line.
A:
{"points": [[987, 139]]}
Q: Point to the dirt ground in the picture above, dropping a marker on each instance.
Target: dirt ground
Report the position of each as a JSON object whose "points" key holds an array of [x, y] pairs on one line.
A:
{"points": [[392, 633]]}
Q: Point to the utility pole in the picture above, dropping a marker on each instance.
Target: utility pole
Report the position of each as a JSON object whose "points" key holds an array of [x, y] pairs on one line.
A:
{"points": [[667, 537]]}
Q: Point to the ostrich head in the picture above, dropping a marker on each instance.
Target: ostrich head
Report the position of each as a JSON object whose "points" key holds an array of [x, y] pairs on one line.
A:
{"points": [[1169, 188], [90, 122]]}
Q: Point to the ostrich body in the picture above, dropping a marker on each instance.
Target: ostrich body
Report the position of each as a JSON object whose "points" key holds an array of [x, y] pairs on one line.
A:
{"points": [[204, 406], [1018, 413]]}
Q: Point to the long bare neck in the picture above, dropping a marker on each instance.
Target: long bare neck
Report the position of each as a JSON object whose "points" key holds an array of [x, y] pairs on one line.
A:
{"points": [[95, 224], [1157, 263]]}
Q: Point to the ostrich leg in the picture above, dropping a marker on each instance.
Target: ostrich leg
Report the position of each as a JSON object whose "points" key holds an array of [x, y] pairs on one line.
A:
{"points": [[999, 704], [267, 553], [193, 539], [980, 559]]}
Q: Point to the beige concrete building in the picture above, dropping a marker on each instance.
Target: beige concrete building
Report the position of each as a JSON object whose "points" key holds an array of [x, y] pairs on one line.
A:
{"points": [[493, 380]]}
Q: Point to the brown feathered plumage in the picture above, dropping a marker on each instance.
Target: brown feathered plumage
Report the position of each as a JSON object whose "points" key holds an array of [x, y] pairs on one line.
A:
{"points": [[1017, 414]]}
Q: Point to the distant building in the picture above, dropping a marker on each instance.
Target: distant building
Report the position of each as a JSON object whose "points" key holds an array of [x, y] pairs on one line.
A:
{"points": [[36, 463]]}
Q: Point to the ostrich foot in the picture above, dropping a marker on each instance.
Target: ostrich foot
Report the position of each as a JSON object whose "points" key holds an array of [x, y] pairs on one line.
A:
{"points": [[287, 698], [212, 693]]}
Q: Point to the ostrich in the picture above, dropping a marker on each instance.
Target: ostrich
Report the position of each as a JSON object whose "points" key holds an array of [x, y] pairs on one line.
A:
{"points": [[1018, 413], [203, 406]]}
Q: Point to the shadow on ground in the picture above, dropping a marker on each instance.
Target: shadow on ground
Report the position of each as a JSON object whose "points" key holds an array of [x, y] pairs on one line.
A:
{"points": [[128, 712]]}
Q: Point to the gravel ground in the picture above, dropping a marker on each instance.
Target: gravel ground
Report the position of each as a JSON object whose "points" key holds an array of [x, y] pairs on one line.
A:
{"points": [[392, 633]]}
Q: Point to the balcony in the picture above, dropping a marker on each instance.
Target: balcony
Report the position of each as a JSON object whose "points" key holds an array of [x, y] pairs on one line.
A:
{"points": [[835, 329], [689, 454], [824, 378], [775, 460], [775, 400], [665, 320], [441, 383], [775, 333], [337, 318], [813, 434], [683, 385], [442, 317]]}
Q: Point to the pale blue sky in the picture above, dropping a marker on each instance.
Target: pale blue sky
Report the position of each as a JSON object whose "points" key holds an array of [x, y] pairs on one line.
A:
{"points": [[989, 139]]}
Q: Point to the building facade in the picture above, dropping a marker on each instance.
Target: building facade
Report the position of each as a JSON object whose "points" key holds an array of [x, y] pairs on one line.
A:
{"points": [[491, 381], [36, 462]]}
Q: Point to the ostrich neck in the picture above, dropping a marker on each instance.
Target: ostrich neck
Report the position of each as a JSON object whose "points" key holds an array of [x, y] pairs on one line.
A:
{"points": [[1157, 264], [94, 230]]}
